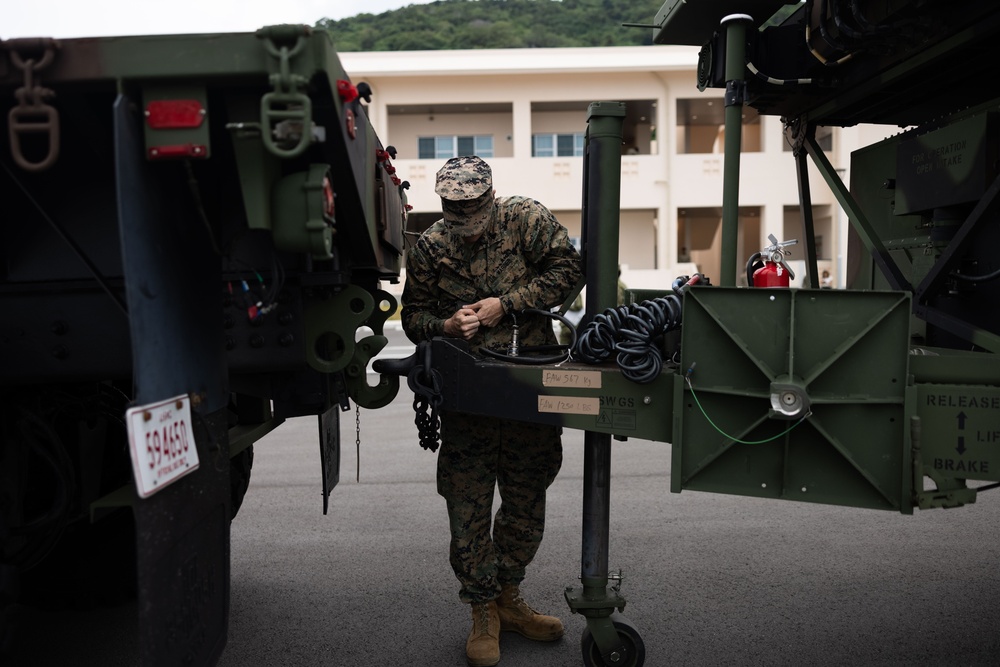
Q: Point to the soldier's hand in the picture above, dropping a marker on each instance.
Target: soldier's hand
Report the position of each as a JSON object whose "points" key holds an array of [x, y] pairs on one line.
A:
{"points": [[489, 310], [463, 324]]}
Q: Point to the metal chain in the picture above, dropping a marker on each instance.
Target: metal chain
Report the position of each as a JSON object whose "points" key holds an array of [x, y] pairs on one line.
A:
{"points": [[425, 382], [427, 421], [357, 439]]}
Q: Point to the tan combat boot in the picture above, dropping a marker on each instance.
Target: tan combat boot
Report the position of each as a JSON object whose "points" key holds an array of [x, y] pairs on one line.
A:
{"points": [[483, 647], [516, 615]]}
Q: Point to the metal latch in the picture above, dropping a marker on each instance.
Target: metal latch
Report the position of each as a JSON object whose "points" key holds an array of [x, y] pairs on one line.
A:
{"points": [[286, 112], [33, 115]]}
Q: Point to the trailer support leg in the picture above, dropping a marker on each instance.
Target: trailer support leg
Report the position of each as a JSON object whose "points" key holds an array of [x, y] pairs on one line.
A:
{"points": [[609, 639], [735, 26]]}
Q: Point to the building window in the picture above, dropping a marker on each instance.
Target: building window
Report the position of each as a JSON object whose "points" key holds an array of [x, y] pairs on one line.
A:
{"points": [[557, 145], [449, 146]]}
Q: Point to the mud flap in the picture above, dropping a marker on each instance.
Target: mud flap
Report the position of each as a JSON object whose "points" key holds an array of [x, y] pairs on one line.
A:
{"points": [[329, 451], [173, 289]]}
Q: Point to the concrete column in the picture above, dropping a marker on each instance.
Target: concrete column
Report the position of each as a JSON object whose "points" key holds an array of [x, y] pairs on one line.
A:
{"points": [[773, 222], [522, 129], [773, 137], [665, 252], [666, 213], [378, 114]]}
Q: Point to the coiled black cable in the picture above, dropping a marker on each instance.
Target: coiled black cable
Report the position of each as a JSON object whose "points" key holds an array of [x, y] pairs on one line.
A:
{"points": [[635, 332], [39, 534]]}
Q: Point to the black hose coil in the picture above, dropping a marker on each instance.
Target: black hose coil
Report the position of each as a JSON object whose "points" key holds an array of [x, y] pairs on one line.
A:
{"points": [[635, 332]]}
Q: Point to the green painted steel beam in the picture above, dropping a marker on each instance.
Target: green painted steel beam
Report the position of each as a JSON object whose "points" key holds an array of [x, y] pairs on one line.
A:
{"points": [[735, 27], [573, 395], [805, 206], [189, 57], [869, 235], [605, 121]]}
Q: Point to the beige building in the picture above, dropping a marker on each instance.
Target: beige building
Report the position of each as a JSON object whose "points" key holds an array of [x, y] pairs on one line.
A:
{"points": [[524, 110]]}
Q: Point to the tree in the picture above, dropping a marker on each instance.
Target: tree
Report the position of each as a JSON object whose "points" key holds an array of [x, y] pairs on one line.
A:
{"points": [[496, 24]]}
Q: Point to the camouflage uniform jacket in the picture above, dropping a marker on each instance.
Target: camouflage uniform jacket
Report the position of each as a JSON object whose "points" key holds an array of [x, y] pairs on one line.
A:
{"points": [[524, 257]]}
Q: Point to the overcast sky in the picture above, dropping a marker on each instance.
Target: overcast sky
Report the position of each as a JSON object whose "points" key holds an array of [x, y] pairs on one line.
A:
{"points": [[98, 18]]}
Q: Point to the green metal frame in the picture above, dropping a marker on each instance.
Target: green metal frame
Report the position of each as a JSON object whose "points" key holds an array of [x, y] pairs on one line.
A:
{"points": [[844, 353], [859, 220]]}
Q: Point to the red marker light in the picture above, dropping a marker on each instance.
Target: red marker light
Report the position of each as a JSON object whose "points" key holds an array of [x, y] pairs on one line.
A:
{"points": [[174, 114], [352, 128], [177, 151], [329, 206]]}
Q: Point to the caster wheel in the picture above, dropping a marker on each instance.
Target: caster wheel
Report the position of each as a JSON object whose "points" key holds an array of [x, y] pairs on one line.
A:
{"points": [[633, 649]]}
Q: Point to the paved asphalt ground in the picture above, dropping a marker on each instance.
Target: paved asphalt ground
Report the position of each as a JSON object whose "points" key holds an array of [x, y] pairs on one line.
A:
{"points": [[710, 579]]}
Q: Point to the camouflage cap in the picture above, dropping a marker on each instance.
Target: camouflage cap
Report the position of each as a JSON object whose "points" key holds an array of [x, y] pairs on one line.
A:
{"points": [[464, 178], [465, 185]]}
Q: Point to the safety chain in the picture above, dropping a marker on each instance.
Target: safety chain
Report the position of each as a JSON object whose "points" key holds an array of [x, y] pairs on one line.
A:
{"points": [[427, 421], [425, 383], [357, 439], [33, 115]]}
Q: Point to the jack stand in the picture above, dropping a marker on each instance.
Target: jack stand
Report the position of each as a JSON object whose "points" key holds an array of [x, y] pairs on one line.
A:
{"points": [[735, 26], [610, 639]]}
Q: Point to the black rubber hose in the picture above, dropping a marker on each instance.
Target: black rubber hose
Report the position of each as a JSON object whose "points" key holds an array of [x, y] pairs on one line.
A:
{"points": [[538, 360], [977, 279], [633, 332], [752, 267]]}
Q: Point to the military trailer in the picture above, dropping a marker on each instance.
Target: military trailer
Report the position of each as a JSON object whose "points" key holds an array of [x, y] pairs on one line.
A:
{"points": [[884, 395], [194, 231]]}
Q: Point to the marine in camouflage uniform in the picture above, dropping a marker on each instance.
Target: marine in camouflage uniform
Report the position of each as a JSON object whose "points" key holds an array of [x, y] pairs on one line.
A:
{"points": [[469, 275]]}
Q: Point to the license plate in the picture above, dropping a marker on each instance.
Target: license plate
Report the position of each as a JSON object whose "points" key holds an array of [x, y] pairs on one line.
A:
{"points": [[161, 442]]}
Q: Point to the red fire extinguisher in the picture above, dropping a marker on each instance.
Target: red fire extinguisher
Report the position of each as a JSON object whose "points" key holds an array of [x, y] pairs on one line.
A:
{"points": [[767, 268]]}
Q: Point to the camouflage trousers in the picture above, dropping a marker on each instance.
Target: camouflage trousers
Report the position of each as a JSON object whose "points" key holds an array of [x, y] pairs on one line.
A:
{"points": [[477, 456]]}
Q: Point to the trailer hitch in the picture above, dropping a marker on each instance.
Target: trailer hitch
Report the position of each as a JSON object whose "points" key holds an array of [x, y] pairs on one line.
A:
{"points": [[425, 382]]}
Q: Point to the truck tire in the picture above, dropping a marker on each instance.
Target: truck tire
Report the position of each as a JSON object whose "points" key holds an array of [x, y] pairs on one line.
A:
{"points": [[239, 479]]}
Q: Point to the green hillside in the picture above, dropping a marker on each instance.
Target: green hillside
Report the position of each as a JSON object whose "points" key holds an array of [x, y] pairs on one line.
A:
{"points": [[497, 24]]}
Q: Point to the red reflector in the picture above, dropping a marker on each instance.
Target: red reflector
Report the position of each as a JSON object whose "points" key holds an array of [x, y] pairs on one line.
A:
{"points": [[174, 114], [329, 206], [180, 150], [352, 129]]}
